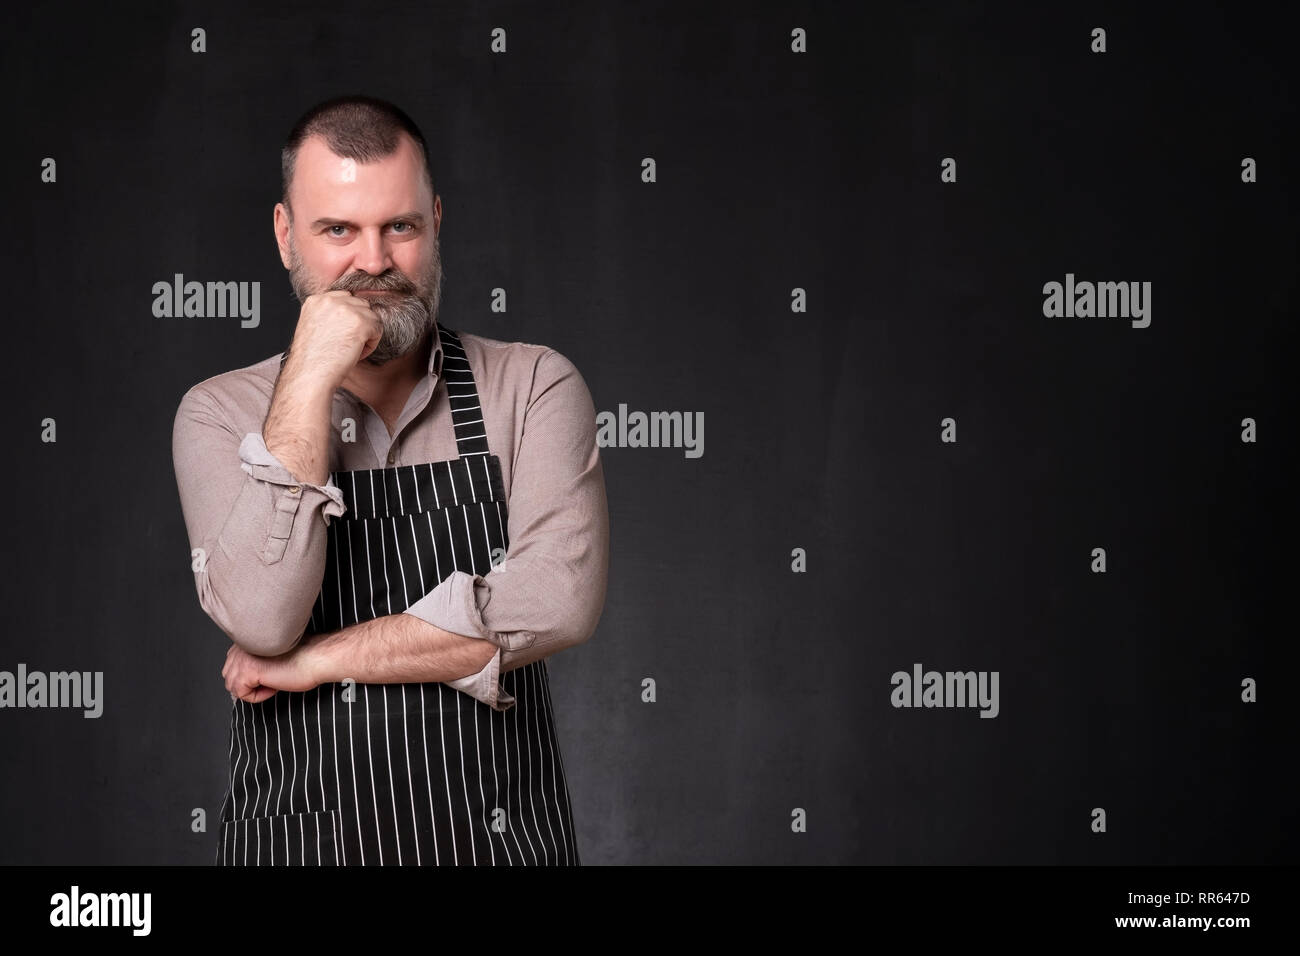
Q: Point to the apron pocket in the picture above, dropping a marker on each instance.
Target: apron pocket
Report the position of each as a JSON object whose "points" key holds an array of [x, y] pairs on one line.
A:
{"points": [[291, 839]]}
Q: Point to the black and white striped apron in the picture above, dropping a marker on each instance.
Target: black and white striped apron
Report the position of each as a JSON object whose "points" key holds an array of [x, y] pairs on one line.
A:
{"points": [[417, 773]]}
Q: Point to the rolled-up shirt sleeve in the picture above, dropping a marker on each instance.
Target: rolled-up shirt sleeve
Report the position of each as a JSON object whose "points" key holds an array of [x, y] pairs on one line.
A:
{"points": [[486, 685], [549, 591], [261, 533]]}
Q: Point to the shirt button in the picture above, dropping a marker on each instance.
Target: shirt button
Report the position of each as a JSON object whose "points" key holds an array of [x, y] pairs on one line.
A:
{"points": [[294, 489], [392, 457]]}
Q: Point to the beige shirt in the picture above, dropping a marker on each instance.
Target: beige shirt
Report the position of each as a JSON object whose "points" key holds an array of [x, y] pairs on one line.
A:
{"points": [[263, 532]]}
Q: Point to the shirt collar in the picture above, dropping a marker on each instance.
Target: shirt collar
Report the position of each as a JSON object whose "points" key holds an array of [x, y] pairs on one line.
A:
{"points": [[435, 353]]}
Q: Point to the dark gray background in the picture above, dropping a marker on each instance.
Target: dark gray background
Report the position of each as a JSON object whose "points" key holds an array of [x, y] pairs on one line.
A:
{"points": [[822, 429]]}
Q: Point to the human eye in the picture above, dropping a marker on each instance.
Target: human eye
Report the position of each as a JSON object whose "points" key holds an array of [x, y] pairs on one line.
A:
{"points": [[329, 231], [410, 227]]}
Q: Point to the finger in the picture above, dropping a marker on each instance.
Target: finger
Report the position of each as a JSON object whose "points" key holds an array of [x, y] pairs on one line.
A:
{"points": [[261, 694]]}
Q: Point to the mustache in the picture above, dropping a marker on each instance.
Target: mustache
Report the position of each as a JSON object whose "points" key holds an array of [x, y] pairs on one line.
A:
{"points": [[387, 282]]}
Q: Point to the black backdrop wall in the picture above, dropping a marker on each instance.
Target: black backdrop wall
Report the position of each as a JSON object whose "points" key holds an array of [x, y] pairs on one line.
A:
{"points": [[923, 300]]}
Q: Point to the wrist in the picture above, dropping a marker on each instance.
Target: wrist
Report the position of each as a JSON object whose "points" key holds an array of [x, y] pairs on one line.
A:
{"points": [[314, 660], [305, 384]]}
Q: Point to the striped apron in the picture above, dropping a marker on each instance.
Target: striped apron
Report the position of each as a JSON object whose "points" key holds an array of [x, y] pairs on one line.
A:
{"points": [[416, 773]]}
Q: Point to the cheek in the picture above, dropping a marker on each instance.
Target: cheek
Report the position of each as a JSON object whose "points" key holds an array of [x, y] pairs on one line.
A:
{"points": [[412, 263]]}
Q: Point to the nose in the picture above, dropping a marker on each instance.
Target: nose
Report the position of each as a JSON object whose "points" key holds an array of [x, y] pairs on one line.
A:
{"points": [[372, 255]]}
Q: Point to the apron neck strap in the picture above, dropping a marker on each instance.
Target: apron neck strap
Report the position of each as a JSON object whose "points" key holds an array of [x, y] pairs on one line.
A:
{"points": [[462, 393]]}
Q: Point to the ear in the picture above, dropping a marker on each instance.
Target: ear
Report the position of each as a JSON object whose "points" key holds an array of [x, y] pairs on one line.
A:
{"points": [[437, 214], [281, 226]]}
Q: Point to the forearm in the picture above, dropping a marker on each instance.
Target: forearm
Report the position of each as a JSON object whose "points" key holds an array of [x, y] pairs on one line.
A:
{"points": [[297, 426], [395, 648]]}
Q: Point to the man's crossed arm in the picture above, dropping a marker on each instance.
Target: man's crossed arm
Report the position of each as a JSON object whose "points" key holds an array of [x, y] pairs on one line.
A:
{"points": [[395, 648]]}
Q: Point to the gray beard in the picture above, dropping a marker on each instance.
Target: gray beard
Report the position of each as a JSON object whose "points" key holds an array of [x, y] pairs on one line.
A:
{"points": [[407, 318]]}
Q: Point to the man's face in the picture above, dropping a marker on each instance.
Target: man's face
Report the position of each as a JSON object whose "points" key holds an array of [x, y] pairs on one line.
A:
{"points": [[371, 226]]}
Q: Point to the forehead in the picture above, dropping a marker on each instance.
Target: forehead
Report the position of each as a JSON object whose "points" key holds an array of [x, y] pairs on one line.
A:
{"points": [[325, 183]]}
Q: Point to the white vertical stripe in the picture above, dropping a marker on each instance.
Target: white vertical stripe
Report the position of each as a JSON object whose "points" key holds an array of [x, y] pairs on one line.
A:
{"points": [[338, 570], [383, 556], [452, 479], [501, 527], [370, 756], [249, 751], [433, 545], [530, 734], [338, 792], [482, 511], [536, 695], [447, 780], [469, 541], [306, 744], [257, 784], [410, 783], [356, 799], [433, 819], [510, 817], [464, 780], [293, 747], [496, 784], [266, 751], [392, 791], [320, 746], [478, 753], [401, 570], [521, 702], [274, 701], [419, 564], [370, 571]]}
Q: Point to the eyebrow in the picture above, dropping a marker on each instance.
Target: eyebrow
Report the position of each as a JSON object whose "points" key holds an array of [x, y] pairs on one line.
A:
{"points": [[414, 218]]}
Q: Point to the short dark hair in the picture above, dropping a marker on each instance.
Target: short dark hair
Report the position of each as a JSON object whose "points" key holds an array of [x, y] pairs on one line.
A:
{"points": [[363, 128]]}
